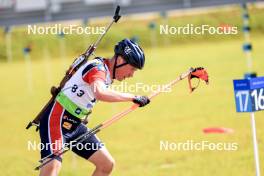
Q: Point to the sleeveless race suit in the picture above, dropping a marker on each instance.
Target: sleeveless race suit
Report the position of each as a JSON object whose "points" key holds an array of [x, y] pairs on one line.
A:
{"points": [[61, 122]]}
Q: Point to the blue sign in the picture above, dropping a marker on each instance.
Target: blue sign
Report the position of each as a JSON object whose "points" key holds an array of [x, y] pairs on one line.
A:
{"points": [[249, 94]]}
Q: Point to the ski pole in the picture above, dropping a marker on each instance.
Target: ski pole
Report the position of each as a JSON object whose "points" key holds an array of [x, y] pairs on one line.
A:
{"points": [[110, 121]]}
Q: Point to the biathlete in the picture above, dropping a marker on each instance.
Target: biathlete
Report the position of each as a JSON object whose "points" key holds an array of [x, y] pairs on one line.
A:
{"points": [[62, 120]]}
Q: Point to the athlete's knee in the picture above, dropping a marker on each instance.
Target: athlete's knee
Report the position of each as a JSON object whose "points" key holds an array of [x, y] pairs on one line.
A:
{"points": [[51, 168], [56, 166], [107, 166], [103, 161]]}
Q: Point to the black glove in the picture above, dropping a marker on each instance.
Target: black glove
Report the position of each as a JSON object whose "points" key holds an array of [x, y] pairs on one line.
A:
{"points": [[141, 100]]}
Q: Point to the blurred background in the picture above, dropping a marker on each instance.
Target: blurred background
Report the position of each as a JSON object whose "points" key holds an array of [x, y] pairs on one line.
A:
{"points": [[31, 63]]}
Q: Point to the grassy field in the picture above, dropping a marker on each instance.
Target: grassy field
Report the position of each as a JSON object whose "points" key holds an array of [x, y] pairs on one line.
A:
{"points": [[133, 27], [134, 142]]}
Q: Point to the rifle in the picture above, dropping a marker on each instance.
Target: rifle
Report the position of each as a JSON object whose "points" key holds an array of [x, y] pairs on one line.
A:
{"points": [[77, 63]]}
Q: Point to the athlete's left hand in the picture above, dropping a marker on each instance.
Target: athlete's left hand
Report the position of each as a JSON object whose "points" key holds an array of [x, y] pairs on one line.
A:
{"points": [[141, 100]]}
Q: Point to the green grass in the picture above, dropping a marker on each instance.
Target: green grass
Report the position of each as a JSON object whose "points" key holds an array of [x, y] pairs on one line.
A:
{"points": [[129, 27], [134, 141]]}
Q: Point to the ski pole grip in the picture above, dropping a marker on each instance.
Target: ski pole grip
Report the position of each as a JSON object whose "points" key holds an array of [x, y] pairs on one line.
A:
{"points": [[117, 16]]}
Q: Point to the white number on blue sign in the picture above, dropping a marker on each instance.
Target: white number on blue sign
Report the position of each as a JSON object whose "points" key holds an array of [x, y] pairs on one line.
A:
{"points": [[258, 98], [243, 97], [249, 94]]}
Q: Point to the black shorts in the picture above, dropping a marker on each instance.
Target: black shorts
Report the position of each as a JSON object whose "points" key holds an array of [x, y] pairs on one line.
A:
{"points": [[59, 128]]}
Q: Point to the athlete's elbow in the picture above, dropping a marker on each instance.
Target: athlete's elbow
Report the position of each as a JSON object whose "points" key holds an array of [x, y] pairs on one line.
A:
{"points": [[98, 94], [101, 95]]}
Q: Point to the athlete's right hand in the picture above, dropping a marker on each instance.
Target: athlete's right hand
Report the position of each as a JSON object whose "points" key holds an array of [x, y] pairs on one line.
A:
{"points": [[141, 100]]}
